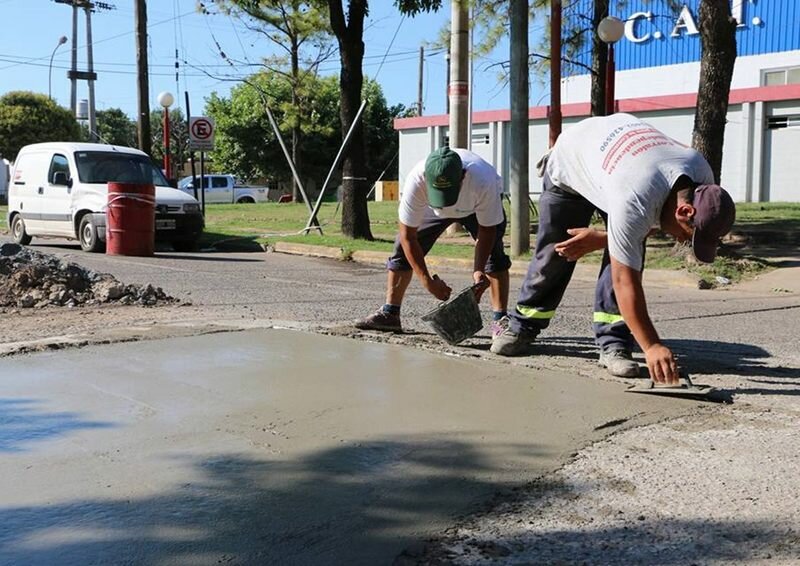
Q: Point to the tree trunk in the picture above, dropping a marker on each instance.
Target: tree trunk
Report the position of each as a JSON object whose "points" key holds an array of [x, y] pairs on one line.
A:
{"points": [[355, 216], [718, 45], [599, 61]]}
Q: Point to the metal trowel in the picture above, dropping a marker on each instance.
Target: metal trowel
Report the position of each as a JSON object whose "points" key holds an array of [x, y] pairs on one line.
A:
{"points": [[685, 389]]}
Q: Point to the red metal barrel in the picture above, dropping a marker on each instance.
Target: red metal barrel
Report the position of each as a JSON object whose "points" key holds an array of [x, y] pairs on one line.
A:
{"points": [[131, 219]]}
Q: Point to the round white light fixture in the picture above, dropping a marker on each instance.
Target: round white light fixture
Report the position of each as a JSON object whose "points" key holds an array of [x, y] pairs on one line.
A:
{"points": [[166, 99], [757, 21], [611, 29]]}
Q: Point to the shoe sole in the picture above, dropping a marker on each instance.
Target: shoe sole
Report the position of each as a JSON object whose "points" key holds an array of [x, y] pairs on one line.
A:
{"points": [[520, 352], [631, 373]]}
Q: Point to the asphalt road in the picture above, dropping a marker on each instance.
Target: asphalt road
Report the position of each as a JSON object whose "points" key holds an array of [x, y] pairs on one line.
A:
{"points": [[713, 330]]}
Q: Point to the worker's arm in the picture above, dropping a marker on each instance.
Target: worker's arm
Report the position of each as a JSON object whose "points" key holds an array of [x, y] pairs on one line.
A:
{"points": [[582, 242], [630, 298], [483, 249], [416, 258]]}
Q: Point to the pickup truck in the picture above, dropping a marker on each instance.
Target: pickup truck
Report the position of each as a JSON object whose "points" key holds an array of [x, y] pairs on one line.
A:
{"points": [[224, 189]]}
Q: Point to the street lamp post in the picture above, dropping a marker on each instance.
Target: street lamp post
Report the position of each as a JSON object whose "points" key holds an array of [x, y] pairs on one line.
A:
{"points": [[610, 30], [165, 99], [61, 41]]}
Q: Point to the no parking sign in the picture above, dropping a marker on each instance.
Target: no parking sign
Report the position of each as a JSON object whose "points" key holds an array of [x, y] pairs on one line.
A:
{"points": [[201, 133]]}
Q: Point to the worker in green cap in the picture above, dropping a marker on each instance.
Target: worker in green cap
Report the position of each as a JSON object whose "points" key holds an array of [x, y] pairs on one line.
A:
{"points": [[451, 185]]}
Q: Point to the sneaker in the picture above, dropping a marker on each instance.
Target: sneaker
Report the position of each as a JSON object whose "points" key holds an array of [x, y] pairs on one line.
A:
{"points": [[499, 326], [619, 362], [381, 321], [508, 343]]}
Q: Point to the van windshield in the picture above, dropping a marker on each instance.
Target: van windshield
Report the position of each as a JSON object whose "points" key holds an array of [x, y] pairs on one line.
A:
{"points": [[101, 167]]}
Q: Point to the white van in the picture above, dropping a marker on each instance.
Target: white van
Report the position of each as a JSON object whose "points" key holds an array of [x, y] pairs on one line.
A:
{"points": [[60, 189]]}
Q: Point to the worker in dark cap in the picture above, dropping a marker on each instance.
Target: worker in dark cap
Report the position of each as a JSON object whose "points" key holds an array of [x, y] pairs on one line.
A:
{"points": [[639, 180]]}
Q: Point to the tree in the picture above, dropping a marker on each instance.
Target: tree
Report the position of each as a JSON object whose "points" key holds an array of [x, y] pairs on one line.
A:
{"points": [[718, 55], [26, 117], [116, 128], [246, 145], [349, 32], [178, 137], [300, 29]]}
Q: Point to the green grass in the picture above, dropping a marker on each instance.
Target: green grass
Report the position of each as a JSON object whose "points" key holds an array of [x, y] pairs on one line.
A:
{"points": [[759, 213]]}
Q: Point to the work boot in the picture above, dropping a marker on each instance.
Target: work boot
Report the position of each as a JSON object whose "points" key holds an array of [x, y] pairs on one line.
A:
{"points": [[619, 362], [381, 321], [499, 326], [510, 343]]}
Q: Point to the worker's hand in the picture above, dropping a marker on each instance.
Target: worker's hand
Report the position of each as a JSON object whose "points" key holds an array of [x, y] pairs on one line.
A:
{"points": [[481, 284], [583, 241], [438, 288], [662, 365]]}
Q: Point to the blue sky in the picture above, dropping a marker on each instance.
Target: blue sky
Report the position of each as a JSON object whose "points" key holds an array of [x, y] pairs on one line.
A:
{"points": [[31, 29]]}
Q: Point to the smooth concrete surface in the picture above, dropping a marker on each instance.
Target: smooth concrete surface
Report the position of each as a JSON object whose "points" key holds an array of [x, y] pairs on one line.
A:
{"points": [[273, 447]]}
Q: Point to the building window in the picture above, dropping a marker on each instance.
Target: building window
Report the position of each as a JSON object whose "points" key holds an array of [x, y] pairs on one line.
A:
{"points": [[782, 77], [780, 122]]}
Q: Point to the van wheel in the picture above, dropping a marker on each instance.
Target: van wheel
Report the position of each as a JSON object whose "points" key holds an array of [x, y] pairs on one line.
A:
{"points": [[90, 242], [18, 231]]}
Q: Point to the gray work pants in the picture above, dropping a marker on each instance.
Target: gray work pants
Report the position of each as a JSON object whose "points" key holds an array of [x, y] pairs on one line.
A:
{"points": [[549, 273]]}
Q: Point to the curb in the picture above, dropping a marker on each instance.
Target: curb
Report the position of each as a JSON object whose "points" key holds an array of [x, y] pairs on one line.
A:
{"points": [[583, 272]]}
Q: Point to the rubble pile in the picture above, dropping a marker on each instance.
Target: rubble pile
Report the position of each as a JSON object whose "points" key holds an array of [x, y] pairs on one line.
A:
{"points": [[30, 279]]}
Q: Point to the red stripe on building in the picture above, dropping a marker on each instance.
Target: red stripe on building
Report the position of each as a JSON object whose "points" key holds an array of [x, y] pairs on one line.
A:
{"points": [[633, 105]]}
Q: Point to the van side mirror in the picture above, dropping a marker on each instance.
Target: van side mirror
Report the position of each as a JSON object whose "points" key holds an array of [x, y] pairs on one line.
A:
{"points": [[60, 178]]}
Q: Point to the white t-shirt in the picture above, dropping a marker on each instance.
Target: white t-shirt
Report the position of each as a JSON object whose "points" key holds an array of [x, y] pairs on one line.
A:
{"points": [[626, 168], [481, 194]]}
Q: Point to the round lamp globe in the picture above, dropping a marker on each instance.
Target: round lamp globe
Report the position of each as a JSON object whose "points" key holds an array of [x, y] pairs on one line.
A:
{"points": [[611, 29], [165, 99]]}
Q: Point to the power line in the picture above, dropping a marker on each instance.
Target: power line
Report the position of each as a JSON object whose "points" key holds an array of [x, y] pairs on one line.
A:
{"points": [[99, 41], [400, 23]]}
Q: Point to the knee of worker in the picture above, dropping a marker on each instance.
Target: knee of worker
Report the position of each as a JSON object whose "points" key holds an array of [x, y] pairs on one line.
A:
{"points": [[497, 263], [398, 263]]}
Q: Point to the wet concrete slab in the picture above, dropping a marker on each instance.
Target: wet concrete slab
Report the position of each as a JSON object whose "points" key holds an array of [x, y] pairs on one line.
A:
{"points": [[273, 446]]}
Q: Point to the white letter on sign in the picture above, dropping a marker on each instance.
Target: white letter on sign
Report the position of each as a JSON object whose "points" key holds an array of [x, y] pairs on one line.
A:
{"points": [[630, 26], [685, 21]]}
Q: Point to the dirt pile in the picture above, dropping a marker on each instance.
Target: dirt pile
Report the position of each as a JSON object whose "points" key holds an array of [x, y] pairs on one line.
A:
{"points": [[30, 279]]}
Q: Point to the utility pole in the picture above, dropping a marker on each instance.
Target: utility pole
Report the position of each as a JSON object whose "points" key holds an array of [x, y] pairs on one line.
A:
{"points": [[599, 60], [447, 82], [142, 81], [458, 91], [518, 143], [419, 86], [90, 68], [89, 75], [73, 79]]}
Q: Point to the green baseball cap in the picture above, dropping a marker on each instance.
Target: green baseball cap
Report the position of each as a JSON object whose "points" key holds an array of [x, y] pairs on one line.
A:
{"points": [[443, 174]]}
